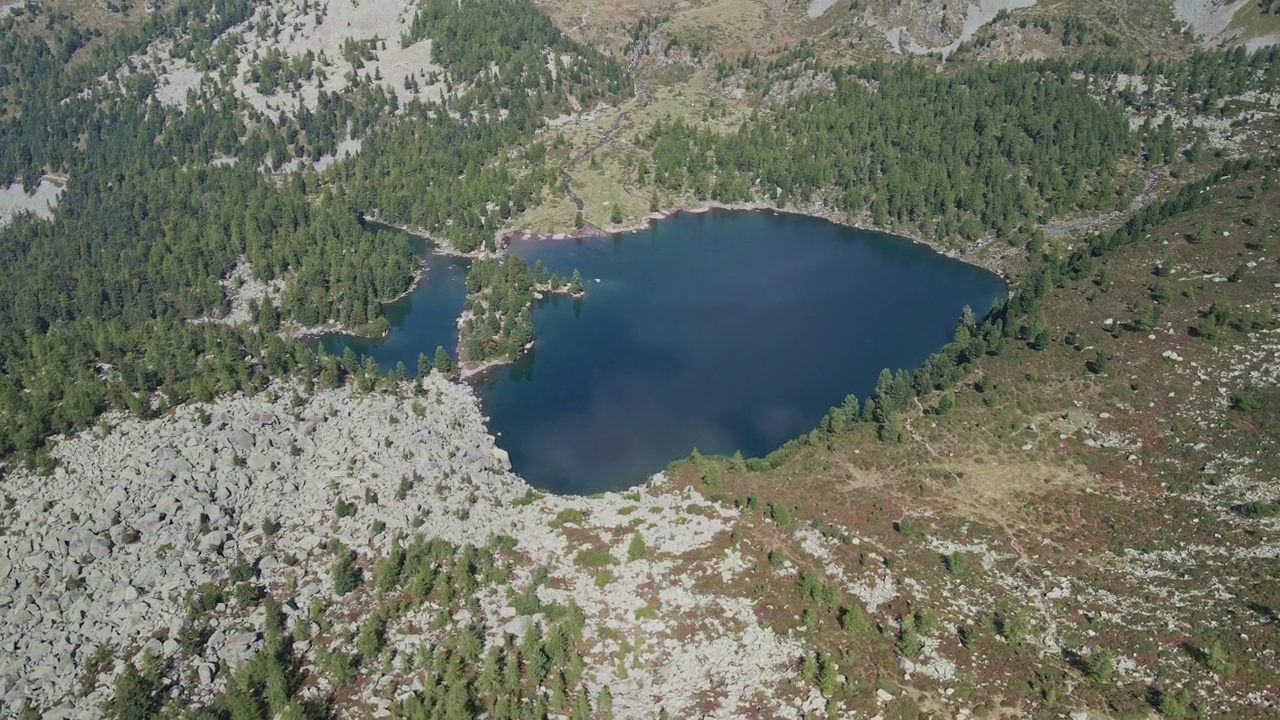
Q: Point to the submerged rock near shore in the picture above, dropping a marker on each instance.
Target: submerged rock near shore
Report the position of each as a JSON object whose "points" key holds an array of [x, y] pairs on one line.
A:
{"points": [[100, 560]]}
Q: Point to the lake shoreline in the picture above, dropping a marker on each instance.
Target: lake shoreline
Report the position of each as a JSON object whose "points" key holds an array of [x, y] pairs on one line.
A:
{"points": [[317, 332], [470, 369], [733, 274], [995, 265], [439, 246]]}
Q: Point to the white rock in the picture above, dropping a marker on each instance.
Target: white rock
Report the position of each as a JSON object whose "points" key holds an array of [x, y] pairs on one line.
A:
{"points": [[517, 626]]}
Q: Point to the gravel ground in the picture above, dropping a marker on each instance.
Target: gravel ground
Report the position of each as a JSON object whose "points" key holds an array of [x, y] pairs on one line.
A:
{"points": [[13, 201]]}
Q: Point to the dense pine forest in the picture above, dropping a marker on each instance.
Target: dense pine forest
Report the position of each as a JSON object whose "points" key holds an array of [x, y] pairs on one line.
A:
{"points": [[961, 154], [975, 152]]}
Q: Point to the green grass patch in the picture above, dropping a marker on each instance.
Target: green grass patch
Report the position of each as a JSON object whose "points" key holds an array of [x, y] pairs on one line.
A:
{"points": [[568, 515], [1259, 509], [528, 498], [591, 557]]}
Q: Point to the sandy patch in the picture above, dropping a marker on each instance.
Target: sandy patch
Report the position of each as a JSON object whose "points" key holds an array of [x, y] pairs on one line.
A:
{"points": [[1255, 44], [895, 39], [14, 200]]}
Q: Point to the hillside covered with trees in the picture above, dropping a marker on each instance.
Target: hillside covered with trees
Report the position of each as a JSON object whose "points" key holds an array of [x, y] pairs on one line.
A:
{"points": [[99, 310]]}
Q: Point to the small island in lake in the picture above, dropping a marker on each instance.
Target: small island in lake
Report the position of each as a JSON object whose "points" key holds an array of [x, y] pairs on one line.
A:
{"points": [[496, 325]]}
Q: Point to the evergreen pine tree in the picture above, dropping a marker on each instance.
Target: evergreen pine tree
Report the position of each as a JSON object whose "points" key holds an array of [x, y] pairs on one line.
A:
{"points": [[444, 363], [346, 574], [853, 620], [636, 550], [268, 316], [604, 704], [134, 699]]}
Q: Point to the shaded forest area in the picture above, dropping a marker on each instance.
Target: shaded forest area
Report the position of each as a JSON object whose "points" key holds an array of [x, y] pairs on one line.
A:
{"points": [[962, 154]]}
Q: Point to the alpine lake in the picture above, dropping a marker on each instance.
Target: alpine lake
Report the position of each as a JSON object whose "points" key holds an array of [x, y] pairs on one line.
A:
{"points": [[722, 331]]}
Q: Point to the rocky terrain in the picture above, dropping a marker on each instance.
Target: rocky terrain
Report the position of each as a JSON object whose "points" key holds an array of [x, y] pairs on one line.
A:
{"points": [[98, 559], [321, 28], [975, 16], [41, 202]]}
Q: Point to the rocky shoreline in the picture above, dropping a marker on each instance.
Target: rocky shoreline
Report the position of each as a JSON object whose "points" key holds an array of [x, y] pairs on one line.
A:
{"points": [[972, 256], [439, 246]]}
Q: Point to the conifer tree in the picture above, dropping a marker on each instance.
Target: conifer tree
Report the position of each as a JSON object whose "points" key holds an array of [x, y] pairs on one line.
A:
{"points": [[134, 699], [636, 550], [604, 704], [444, 363]]}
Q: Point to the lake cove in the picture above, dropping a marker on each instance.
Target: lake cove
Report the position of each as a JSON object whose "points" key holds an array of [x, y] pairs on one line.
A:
{"points": [[722, 331], [420, 321]]}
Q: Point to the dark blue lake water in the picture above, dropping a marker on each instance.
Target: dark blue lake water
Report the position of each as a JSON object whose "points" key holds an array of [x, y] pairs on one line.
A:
{"points": [[421, 321], [723, 331]]}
